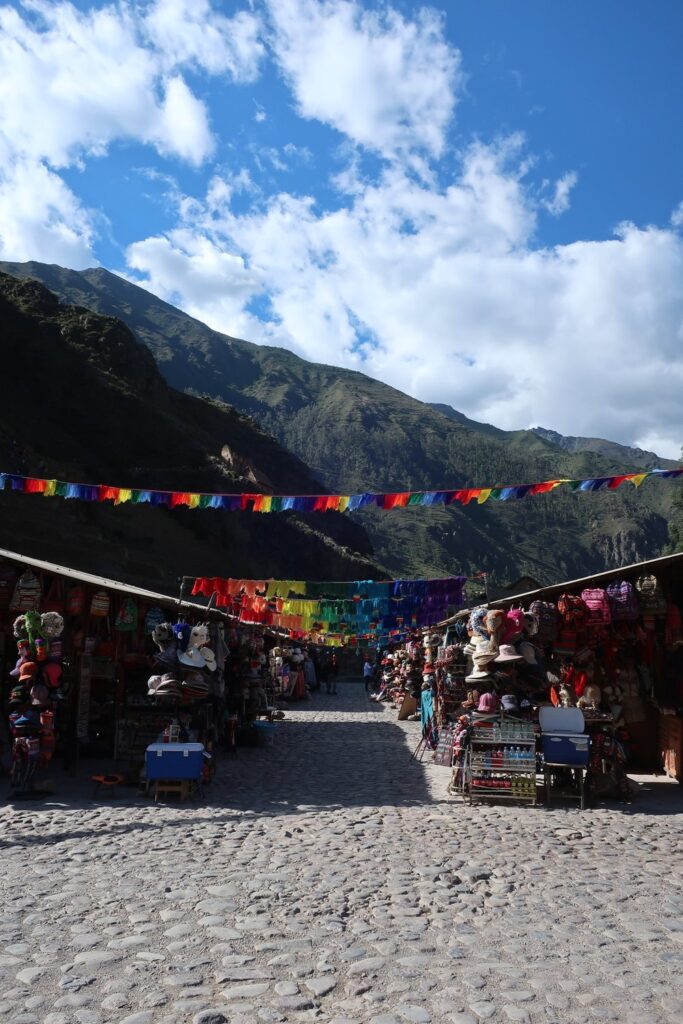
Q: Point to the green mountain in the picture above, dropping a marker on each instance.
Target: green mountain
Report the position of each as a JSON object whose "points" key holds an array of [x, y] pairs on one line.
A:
{"points": [[82, 400], [359, 434]]}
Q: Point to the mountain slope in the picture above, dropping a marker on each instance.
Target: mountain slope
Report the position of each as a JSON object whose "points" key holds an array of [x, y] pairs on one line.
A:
{"points": [[357, 433], [81, 399]]}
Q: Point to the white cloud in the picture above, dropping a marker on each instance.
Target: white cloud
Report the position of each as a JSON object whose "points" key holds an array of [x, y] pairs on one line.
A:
{"points": [[386, 82], [214, 285], [444, 294], [668, 447], [677, 216], [74, 81], [182, 125], [560, 200], [41, 218], [194, 32]]}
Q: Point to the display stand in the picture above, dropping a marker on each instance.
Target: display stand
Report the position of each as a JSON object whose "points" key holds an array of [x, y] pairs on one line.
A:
{"points": [[501, 761]]}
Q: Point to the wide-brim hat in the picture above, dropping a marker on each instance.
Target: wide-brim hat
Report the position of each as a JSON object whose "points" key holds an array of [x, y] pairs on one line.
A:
{"points": [[168, 690], [478, 676], [485, 657], [167, 657], [192, 658], [528, 652], [508, 653], [195, 685]]}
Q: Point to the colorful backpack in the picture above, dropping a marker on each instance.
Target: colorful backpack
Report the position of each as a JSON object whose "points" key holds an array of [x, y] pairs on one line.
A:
{"points": [[572, 609], [546, 613], [623, 601], [127, 616], [27, 593], [154, 617], [652, 600], [75, 601], [99, 605], [599, 613]]}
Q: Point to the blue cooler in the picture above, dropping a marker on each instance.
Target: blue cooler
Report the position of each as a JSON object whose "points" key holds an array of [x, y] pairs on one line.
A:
{"points": [[563, 739], [174, 760]]}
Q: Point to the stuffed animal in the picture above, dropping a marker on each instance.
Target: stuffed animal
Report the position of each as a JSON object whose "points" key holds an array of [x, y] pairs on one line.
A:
{"points": [[181, 631], [495, 624], [591, 697], [199, 635], [476, 624], [566, 694], [51, 625], [162, 635]]}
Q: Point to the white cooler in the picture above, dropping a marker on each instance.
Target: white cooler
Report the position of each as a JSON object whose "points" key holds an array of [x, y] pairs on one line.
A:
{"points": [[563, 739]]}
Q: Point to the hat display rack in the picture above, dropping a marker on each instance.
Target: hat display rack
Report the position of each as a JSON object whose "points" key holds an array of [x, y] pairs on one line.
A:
{"points": [[37, 679]]}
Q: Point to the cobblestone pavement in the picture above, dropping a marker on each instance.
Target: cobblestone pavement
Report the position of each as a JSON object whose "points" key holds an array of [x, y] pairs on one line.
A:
{"points": [[327, 879]]}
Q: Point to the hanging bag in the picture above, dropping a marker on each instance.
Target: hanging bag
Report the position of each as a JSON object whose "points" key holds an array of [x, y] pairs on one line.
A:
{"points": [[127, 616], [75, 601], [27, 593], [100, 604], [651, 594], [597, 605], [54, 599], [546, 613], [572, 610], [623, 601]]}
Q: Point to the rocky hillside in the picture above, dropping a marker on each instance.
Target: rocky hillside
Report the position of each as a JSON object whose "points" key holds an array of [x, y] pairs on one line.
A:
{"points": [[81, 399], [357, 433]]}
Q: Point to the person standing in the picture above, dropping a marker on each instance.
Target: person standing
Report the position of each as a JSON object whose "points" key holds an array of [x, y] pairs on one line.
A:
{"points": [[309, 672], [323, 672], [368, 674], [332, 672]]}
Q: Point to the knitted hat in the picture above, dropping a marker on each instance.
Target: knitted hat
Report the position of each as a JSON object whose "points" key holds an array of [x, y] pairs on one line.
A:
{"points": [[488, 703]]}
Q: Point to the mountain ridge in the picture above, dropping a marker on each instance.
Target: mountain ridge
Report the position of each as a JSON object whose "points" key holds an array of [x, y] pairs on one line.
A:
{"points": [[360, 434], [124, 425]]}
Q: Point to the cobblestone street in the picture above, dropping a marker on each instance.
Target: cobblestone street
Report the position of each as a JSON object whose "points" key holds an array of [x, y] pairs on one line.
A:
{"points": [[327, 879]]}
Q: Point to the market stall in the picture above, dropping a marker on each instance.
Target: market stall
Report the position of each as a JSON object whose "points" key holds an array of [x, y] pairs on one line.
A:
{"points": [[95, 670], [608, 648]]}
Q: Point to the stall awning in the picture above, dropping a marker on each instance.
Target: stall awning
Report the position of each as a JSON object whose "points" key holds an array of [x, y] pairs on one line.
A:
{"points": [[651, 566], [102, 582]]}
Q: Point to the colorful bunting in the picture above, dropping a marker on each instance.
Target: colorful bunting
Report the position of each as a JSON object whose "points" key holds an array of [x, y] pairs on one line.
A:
{"points": [[361, 608], [317, 502]]}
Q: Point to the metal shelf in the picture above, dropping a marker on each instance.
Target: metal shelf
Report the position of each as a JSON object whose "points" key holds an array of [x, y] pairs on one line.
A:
{"points": [[492, 795], [476, 742], [511, 769]]}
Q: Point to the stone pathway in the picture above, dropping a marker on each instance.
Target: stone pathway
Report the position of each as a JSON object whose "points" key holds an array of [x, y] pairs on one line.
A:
{"points": [[327, 879]]}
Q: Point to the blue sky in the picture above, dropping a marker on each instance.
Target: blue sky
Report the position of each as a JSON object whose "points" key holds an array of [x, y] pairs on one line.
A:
{"points": [[478, 202]]}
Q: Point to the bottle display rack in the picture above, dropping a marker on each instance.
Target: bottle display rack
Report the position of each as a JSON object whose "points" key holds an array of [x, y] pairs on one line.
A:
{"points": [[501, 763]]}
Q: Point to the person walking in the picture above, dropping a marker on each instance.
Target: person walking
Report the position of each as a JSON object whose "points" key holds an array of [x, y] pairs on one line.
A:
{"points": [[368, 674]]}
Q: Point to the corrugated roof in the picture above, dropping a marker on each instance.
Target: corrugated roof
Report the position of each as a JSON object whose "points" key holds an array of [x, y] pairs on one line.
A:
{"points": [[101, 581], [636, 568]]}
